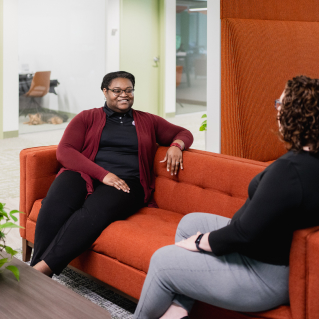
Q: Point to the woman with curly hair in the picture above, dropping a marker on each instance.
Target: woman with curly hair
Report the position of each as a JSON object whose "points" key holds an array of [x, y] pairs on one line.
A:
{"points": [[242, 263]]}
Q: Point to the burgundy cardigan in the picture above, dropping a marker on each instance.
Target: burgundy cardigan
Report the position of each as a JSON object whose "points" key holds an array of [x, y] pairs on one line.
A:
{"points": [[80, 143]]}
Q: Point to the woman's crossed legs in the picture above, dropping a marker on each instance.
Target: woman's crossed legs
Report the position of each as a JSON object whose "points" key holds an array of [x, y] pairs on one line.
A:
{"points": [[232, 281]]}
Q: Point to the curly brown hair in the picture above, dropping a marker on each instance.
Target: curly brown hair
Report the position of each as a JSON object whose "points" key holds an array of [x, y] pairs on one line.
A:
{"points": [[299, 114]]}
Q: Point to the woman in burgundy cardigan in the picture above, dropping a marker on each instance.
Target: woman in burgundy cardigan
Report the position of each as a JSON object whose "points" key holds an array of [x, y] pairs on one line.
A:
{"points": [[107, 155]]}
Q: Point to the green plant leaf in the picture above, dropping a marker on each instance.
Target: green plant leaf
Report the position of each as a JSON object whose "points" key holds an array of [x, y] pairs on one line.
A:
{"points": [[15, 211], [3, 213], [2, 205], [3, 261], [15, 271], [203, 128], [204, 115], [15, 219], [2, 235], [10, 251], [9, 225]]}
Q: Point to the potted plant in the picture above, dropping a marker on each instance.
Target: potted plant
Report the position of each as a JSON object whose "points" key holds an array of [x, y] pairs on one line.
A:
{"points": [[7, 221]]}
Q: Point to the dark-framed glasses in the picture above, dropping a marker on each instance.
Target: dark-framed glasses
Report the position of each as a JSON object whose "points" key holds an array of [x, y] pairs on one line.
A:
{"points": [[117, 92], [277, 104]]}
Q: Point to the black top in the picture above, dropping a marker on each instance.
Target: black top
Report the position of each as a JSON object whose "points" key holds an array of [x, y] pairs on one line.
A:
{"points": [[118, 148], [282, 198]]}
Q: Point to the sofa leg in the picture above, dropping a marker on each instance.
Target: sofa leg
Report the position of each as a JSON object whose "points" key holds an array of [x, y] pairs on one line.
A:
{"points": [[26, 250]]}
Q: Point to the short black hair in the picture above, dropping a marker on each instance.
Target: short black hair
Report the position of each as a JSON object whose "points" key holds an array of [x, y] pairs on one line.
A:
{"points": [[108, 78]]}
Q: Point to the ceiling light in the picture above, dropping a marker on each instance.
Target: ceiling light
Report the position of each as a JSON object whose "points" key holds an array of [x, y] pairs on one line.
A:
{"points": [[198, 9]]}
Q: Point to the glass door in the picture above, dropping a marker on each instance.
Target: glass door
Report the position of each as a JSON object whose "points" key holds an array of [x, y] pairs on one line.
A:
{"points": [[191, 56]]}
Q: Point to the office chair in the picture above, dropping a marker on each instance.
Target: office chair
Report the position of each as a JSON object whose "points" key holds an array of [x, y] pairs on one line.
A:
{"points": [[40, 86]]}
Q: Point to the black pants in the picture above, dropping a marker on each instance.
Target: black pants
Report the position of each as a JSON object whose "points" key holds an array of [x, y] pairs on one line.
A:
{"points": [[68, 224]]}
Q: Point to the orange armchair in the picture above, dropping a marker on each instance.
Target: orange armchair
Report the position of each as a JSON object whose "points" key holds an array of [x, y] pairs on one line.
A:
{"points": [[218, 185]]}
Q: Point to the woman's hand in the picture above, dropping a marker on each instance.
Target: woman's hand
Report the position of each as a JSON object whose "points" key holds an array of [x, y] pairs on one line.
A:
{"points": [[112, 180], [189, 243], [174, 158]]}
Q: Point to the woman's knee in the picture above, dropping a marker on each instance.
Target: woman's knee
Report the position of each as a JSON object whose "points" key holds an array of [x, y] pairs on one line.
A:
{"points": [[162, 258], [68, 189], [187, 226]]}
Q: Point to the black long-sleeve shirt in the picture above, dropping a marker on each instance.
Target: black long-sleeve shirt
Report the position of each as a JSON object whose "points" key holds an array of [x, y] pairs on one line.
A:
{"points": [[282, 198]]}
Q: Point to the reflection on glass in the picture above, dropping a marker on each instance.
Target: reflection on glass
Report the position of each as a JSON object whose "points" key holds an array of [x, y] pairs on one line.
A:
{"points": [[191, 56]]}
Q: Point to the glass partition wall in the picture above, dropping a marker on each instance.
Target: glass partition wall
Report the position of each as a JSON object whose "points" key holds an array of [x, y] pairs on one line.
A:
{"points": [[61, 61], [191, 56]]}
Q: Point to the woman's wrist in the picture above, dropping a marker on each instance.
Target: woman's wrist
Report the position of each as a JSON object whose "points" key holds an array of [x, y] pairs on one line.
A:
{"points": [[176, 145], [180, 144], [204, 243]]}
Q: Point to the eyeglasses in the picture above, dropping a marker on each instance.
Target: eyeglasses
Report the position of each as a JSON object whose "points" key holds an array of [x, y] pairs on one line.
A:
{"points": [[117, 92], [277, 104]]}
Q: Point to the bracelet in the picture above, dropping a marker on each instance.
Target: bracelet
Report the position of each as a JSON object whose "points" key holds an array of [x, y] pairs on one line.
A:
{"points": [[197, 242], [177, 145]]}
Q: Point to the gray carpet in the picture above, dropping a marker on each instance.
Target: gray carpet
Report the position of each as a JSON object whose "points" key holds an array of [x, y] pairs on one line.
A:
{"points": [[118, 306]]}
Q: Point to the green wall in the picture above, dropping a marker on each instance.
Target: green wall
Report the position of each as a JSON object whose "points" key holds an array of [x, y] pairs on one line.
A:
{"points": [[161, 86], [141, 25]]}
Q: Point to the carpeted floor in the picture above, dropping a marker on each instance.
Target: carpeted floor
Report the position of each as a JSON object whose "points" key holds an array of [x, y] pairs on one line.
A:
{"points": [[118, 306]]}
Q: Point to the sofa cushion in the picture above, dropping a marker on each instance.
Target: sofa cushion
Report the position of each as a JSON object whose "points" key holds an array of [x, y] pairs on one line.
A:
{"points": [[134, 240], [209, 182]]}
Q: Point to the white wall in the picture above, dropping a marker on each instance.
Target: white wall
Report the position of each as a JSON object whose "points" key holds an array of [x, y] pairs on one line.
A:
{"points": [[213, 76], [170, 56], [112, 35], [68, 39], [10, 66]]}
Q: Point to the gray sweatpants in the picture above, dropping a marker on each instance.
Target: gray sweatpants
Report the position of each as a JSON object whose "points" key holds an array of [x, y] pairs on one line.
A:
{"points": [[232, 281]]}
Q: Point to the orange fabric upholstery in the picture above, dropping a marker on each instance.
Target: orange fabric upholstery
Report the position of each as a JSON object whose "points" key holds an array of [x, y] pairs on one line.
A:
{"points": [[36, 180], [259, 55], [286, 10], [212, 183], [304, 259]]}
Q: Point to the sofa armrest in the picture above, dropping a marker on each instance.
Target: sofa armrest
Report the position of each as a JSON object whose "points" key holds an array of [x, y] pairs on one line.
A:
{"points": [[38, 168], [304, 274]]}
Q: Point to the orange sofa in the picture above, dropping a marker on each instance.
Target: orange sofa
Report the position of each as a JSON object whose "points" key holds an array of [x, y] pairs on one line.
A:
{"points": [[211, 183]]}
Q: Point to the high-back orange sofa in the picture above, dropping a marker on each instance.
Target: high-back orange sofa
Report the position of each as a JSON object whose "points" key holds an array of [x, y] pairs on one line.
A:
{"points": [[211, 183], [263, 44]]}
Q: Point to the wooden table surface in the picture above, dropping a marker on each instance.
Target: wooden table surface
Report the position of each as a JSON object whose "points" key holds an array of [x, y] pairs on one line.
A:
{"points": [[37, 296]]}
